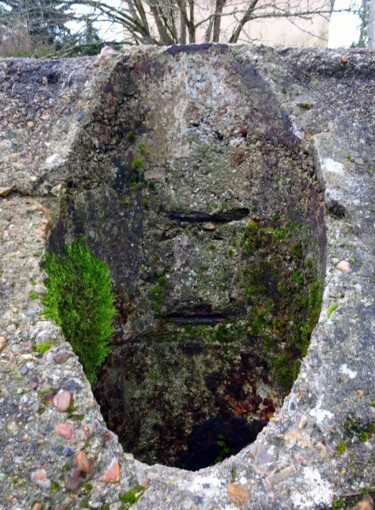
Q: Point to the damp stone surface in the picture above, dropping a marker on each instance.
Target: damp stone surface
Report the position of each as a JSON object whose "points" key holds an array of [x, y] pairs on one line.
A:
{"points": [[227, 188]]}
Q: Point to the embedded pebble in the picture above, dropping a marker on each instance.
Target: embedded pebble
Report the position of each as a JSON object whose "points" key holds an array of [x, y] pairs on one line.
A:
{"points": [[62, 401], [209, 226], [343, 266], [238, 494], [40, 478], [278, 476], [113, 472], [260, 454], [4, 192], [2, 343], [12, 361], [72, 479], [82, 462], [302, 422], [24, 370], [61, 356], [64, 430], [366, 503]]}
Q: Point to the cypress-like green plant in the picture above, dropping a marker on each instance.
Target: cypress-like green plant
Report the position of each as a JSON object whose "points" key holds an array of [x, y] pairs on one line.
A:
{"points": [[79, 300]]}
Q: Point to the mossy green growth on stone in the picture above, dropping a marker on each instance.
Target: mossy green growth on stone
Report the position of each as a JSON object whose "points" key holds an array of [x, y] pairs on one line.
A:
{"points": [[284, 294], [43, 347], [131, 497], [341, 447], [79, 300]]}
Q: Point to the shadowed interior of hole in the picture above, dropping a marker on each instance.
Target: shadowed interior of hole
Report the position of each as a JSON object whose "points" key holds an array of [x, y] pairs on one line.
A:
{"points": [[216, 257], [209, 342]]}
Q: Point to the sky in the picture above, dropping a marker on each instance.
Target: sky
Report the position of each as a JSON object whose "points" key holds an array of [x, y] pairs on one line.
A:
{"points": [[344, 27]]}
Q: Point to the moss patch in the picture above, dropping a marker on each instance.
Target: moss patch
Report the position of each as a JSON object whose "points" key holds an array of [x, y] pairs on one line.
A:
{"points": [[283, 293], [43, 347], [131, 497], [79, 300]]}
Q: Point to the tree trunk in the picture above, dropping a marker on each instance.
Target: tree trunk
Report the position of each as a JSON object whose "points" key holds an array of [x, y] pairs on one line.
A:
{"points": [[246, 17], [217, 19], [182, 26], [191, 25]]}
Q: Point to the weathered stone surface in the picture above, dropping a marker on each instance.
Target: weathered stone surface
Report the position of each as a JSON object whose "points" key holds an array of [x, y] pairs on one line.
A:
{"points": [[339, 126]]}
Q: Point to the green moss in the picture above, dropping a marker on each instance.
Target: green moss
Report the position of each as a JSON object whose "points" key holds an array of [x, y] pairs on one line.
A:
{"points": [[363, 436], [44, 391], [137, 164], [305, 105], [43, 347], [131, 497], [373, 403], [77, 417], [71, 408], [285, 300], [157, 295], [33, 295], [224, 450], [341, 447], [315, 301], [131, 137], [296, 250], [54, 486], [337, 503], [79, 300], [142, 149], [308, 263], [331, 309], [162, 280], [297, 277]]}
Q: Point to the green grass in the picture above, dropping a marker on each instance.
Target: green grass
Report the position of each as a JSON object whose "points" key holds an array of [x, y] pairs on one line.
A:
{"points": [[79, 300]]}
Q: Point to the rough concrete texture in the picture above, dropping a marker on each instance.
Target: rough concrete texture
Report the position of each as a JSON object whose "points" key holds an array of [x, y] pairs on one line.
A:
{"points": [[50, 107]]}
